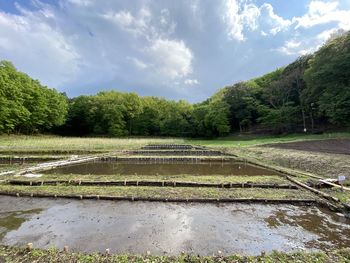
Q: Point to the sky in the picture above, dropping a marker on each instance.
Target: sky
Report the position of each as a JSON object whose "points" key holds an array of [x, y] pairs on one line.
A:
{"points": [[183, 49]]}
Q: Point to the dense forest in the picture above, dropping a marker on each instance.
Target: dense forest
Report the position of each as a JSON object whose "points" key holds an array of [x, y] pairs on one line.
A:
{"points": [[308, 95], [25, 105]]}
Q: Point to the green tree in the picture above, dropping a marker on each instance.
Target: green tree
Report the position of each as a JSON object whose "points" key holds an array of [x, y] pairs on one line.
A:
{"points": [[328, 80], [26, 105]]}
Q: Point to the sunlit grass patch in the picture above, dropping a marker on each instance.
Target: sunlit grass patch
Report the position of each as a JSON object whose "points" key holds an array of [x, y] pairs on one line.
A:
{"points": [[162, 192], [42, 143]]}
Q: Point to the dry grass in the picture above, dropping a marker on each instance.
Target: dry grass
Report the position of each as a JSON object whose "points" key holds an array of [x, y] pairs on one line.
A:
{"points": [[179, 178], [57, 144], [163, 192], [321, 164]]}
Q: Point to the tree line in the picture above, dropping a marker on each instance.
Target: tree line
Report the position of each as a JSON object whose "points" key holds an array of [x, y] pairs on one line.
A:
{"points": [[120, 114], [309, 94], [26, 106]]}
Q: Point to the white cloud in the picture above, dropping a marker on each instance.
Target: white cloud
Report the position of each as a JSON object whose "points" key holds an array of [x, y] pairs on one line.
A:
{"points": [[320, 12], [292, 44], [275, 22], [172, 58], [138, 63], [240, 16], [191, 82], [81, 2], [325, 35], [42, 51], [139, 25], [122, 18], [291, 47], [166, 57]]}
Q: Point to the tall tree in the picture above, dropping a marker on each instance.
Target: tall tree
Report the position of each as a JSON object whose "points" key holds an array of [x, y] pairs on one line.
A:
{"points": [[328, 80]]}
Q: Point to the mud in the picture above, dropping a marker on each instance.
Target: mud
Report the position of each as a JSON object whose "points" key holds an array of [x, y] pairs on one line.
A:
{"points": [[148, 168], [337, 146], [164, 228]]}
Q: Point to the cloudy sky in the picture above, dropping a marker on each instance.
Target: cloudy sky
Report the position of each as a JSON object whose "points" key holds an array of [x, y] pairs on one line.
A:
{"points": [[175, 49]]}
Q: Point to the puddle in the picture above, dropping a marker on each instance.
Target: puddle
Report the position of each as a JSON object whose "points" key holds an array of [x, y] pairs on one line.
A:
{"points": [[169, 228], [148, 168], [10, 221]]}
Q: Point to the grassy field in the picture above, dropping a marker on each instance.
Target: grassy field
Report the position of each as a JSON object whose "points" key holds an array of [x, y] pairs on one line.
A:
{"points": [[17, 255], [168, 178], [71, 144], [162, 192], [42, 143], [320, 164], [251, 140]]}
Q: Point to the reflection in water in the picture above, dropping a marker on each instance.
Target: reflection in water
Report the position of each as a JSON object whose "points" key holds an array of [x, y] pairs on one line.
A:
{"points": [[132, 168], [327, 226], [10, 221], [169, 228]]}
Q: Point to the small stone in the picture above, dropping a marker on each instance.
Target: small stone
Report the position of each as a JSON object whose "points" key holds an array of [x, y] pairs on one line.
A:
{"points": [[30, 246], [107, 251], [65, 248], [148, 252]]}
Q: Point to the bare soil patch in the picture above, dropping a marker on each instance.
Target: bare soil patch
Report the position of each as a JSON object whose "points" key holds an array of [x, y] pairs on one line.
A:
{"points": [[336, 146]]}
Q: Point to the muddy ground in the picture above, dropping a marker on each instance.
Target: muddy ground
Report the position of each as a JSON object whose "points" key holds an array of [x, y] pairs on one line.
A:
{"points": [[169, 228], [336, 146], [323, 164]]}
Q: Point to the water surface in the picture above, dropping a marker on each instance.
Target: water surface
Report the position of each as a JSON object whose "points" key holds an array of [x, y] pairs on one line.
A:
{"points": [[169, 228], [149, 168]]}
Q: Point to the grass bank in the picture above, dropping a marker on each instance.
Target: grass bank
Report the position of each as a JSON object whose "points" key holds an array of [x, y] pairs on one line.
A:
{"points": [[41, 143], [161, 192], [17, 255], [45, 143], [180, 178], [251, 140]]}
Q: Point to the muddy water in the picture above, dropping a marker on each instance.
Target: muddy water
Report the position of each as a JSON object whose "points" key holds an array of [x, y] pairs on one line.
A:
{"points": [[131, 168], [169, 228]]}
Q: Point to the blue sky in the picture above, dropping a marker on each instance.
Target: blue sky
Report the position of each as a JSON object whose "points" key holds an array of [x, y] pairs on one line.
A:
{"points": [[175, 49]]}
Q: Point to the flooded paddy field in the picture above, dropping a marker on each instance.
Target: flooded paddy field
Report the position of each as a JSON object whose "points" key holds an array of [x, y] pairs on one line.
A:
{"points": [[169, 228], [159, 168], [194, 217], [22, 161]]}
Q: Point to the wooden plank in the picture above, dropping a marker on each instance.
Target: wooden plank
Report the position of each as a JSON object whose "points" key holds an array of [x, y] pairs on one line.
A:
{"points": [[335, 185]]}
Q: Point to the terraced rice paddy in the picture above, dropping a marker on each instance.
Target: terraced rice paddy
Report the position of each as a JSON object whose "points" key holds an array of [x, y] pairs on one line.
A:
{"points": [[220, 196]]}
